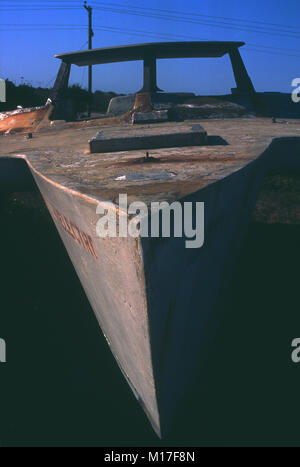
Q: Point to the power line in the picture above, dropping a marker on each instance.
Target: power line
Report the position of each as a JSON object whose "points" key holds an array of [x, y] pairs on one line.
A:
{"points": [[42, 24], [168, 35], [179, 16], [128, 10], [193, 14], [40, 9], [164, 11], [85, 43], [133, 32], [141, 32], [45, 3], [221, 25], [138, 32]]}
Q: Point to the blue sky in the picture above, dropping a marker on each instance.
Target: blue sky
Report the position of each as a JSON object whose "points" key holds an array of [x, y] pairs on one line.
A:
{"points": [[33, 31]]}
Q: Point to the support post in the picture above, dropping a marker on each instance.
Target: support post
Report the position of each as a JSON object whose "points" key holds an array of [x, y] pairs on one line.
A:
{"points": [[149, 84], [243, 82], [61, 82], [63, 106]]}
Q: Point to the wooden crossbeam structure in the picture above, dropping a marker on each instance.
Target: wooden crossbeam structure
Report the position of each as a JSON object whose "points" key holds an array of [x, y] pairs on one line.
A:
{"points": [[150, 52]]}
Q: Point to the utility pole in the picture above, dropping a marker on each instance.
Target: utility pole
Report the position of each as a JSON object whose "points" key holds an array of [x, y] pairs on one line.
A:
{"points": [[89, 10]]}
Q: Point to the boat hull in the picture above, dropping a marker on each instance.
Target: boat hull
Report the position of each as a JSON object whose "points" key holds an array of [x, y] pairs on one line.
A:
{"points": [[158, 302], [24, 120]]}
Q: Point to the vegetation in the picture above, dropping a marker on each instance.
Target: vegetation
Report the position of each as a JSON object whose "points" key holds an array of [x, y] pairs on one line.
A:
{"points": [[77, 97]]}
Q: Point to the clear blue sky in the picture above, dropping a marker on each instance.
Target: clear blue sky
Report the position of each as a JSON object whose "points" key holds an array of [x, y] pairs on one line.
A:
{"points": [[32, 31]]}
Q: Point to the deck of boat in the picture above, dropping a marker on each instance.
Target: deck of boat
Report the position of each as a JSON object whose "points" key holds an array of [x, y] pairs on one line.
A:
{"points": [[60, 152]]}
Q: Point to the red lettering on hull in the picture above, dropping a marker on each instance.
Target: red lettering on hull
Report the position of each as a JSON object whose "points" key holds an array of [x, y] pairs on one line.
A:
{"points": [[77, 234]]}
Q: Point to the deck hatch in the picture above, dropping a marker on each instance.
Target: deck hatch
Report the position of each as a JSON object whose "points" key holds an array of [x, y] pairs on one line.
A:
{"points": [[148, 137]]}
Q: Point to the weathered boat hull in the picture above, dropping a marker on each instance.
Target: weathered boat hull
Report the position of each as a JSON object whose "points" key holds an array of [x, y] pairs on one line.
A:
{"points": [[157, 302], [24, 120], [112, 274]]}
